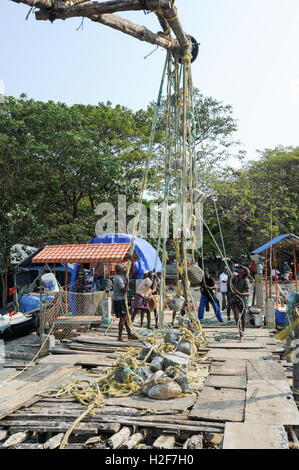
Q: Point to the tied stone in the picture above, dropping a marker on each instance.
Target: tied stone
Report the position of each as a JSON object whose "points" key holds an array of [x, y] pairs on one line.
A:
{"points": [[157, 363], [164, 391], [177, 359], [185, 347]]}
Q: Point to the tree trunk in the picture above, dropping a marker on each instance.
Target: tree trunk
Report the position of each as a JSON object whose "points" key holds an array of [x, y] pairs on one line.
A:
{"points": [[96, 8], [4, 288]]}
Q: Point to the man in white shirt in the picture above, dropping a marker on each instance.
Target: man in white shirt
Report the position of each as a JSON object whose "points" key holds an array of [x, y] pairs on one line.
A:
{"points": [[223, 287], [260, 269]]}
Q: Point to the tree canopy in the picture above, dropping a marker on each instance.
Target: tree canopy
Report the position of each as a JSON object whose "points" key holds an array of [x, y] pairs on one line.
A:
{"points": [[58, 162]]}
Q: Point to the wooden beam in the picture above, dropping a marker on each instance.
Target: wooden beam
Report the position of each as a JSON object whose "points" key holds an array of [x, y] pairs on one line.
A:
{"points": [[171, 16], [88, 10], [97, 8]]}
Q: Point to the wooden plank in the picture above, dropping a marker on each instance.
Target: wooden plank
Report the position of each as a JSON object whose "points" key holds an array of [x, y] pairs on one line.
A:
{"points": [[81, 428], [254, 436], [142, 402], [236, 345], [270, 402], [229, 381], [228, 367], [219, 405], [80, 359], [264, 370], [11, 403], [99, 417], [165, 441], [213, 427], [239, 353]]}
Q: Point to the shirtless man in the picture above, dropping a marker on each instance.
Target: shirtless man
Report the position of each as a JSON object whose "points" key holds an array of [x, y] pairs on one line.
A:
{"points": [[240, 292]]}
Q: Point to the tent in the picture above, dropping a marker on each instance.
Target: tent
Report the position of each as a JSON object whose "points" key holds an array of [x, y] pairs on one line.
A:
{"points": [[286, 240], [146, 253]]}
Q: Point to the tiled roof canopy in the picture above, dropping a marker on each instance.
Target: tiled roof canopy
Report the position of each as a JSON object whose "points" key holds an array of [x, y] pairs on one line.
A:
{"points": [[87, 253]]}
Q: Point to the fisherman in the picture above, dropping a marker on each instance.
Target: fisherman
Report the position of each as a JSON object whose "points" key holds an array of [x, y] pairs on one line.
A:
{"points": [[208, 289], [240, 293], [120, 287], [223, 287], [155, 297], [141, 300]]}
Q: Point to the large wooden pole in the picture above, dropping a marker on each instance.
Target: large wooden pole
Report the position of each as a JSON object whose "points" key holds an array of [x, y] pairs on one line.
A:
{"points": [[132, 29], [102, 12], [295, 268], [97, 8], [296, 360], [171, 16]]}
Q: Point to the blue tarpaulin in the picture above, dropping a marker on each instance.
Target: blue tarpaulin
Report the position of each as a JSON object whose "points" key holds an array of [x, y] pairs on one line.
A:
{"points": [[30, 302], [145, 251], [287, 239]]}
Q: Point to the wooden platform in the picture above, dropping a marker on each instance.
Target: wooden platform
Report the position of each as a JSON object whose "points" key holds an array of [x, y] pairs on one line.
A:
{"points": [[246, 395], [254, 436]]}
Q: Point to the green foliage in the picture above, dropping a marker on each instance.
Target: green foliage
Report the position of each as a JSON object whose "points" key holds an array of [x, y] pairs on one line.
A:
{"points": [[245, 198]]}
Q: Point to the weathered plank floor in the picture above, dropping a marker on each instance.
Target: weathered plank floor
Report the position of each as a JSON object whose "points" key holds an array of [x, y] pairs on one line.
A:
{"points": [[247, 391]]}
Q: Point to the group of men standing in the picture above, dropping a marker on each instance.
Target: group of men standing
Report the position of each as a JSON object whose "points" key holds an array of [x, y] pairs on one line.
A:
{"points": [[145, 299], [234, 288]]}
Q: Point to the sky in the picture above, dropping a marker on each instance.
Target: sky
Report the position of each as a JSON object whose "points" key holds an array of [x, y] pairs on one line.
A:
{"points": [[248, 58]]}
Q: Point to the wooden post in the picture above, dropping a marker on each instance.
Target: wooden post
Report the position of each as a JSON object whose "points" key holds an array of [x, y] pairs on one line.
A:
{"points": [[266, 273], [97, 8], [295, 268], [296, 361], [96, 12], [276, 287], [66, 266], [171, 16]]}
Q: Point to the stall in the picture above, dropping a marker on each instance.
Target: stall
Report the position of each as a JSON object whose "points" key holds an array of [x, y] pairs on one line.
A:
{"points": [[270, 248]]}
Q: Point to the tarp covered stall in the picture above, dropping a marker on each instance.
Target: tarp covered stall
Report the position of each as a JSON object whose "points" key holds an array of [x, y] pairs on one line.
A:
{"points": [[286, 240], [147, 254], [82, 254]]}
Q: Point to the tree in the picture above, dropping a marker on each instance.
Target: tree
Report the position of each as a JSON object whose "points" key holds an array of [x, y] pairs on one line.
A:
{"points": [[19, 223], [244, 200], [215, 142]]}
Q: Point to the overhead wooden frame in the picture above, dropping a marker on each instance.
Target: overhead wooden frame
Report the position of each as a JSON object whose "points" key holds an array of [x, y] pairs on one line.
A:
{"points": [[104, 13]]}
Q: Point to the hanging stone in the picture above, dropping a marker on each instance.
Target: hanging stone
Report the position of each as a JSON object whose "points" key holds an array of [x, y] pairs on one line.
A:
{"points": [[177, 164], [176, 304], [198, 195]]}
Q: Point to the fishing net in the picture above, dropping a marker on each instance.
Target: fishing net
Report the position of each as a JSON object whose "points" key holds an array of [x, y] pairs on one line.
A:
{"points": [[70, 313]]}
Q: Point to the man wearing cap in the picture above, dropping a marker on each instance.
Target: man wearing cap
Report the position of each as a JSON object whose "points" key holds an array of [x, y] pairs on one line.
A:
{"points": [[120, 287]]}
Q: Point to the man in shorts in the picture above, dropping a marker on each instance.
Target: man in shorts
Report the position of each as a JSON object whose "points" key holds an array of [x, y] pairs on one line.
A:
{"points": [[120, 287]]}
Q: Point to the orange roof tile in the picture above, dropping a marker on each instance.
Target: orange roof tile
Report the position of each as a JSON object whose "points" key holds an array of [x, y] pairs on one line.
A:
{"points": [[87, 253]]}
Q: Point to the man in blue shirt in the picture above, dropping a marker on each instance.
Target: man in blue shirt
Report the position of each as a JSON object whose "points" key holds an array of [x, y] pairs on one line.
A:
{"points": [[120, 287]]}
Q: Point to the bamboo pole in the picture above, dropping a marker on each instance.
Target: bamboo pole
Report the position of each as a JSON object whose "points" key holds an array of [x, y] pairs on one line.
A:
{"points": [[266, 274], [276, 287], [66, 266], [295, 268]]}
